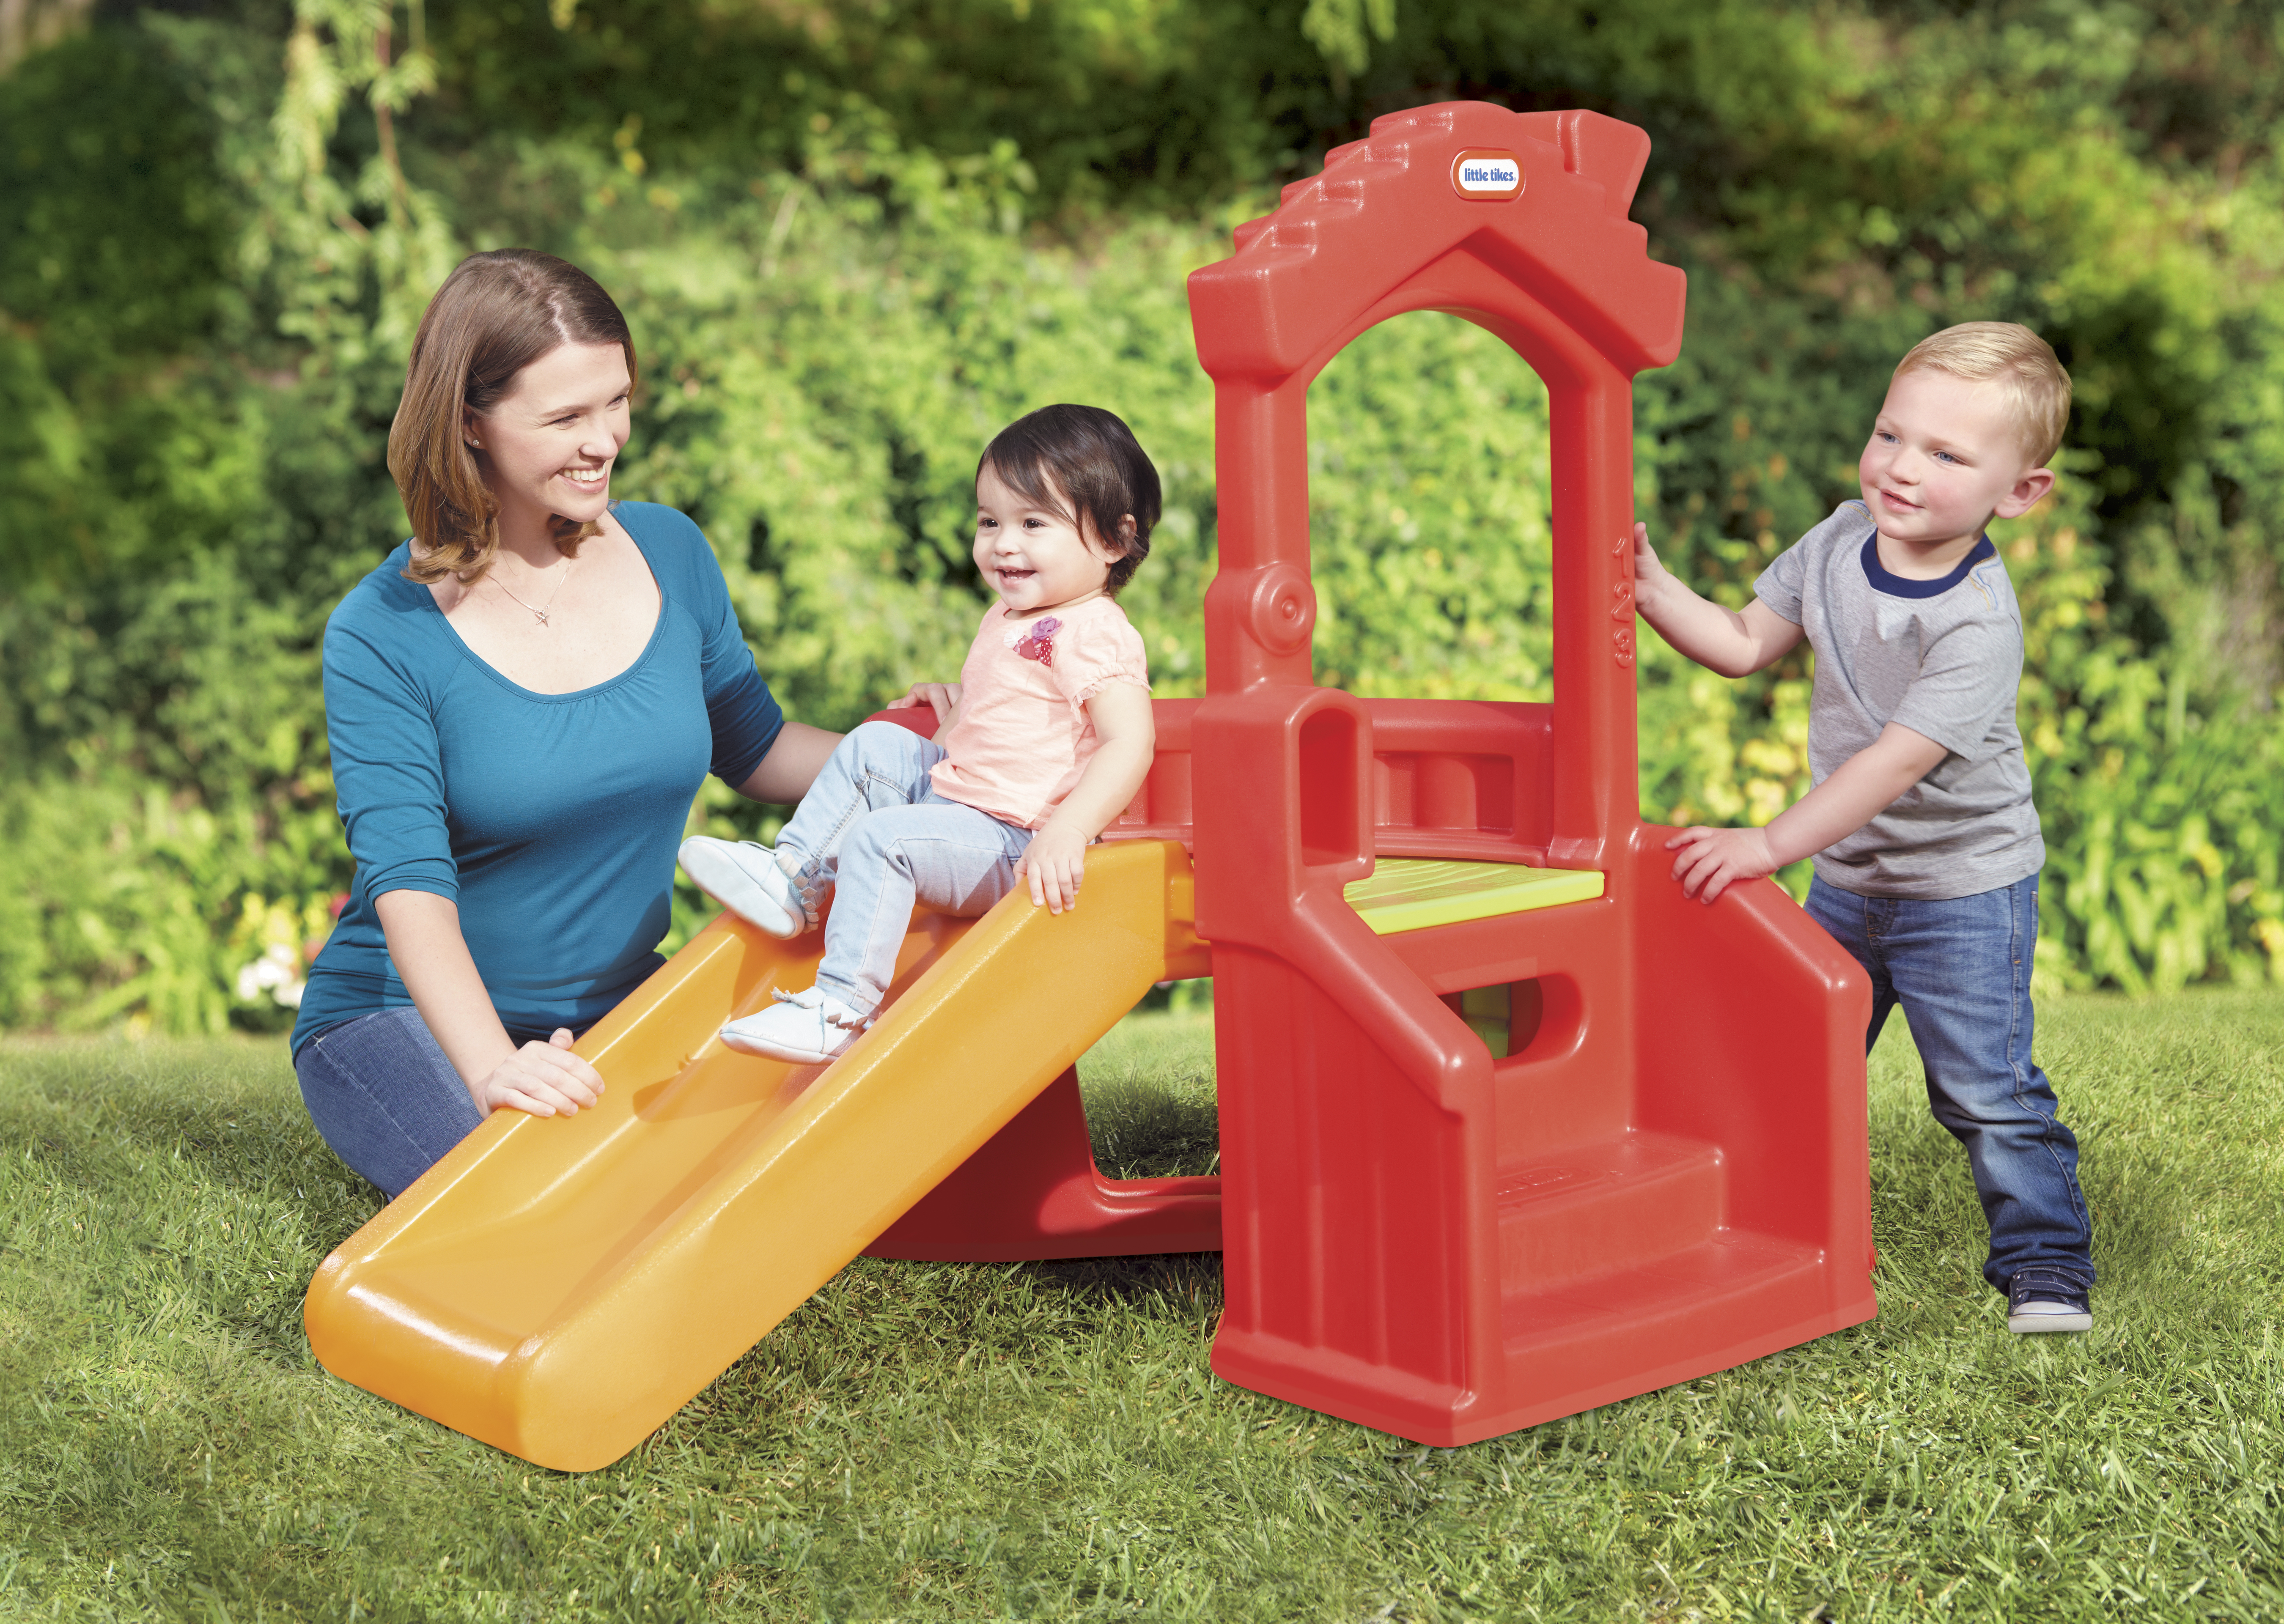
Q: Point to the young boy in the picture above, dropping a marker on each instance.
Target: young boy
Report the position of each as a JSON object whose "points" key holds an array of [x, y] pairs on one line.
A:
{"points": [[1926, 846]]}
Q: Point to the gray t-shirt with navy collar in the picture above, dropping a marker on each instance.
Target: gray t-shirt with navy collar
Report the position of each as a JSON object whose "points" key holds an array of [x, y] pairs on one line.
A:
{"points": [[1943, 657]]}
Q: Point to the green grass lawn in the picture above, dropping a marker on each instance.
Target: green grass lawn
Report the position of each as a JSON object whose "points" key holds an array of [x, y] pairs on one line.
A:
{"points": [[1045, 1441]]}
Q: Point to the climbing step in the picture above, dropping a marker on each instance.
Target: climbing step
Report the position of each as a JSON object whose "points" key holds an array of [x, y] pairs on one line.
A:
{"points": [[1600, 1323], [1411, 894], [1635, 1198]]}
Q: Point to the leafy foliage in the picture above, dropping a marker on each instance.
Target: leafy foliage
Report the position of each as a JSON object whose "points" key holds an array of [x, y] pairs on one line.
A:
{"points": [[855, 241]]}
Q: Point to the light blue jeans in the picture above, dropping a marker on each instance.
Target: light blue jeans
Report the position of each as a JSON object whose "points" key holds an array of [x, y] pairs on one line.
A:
{"points": [[873, 828], [1960, 967]]}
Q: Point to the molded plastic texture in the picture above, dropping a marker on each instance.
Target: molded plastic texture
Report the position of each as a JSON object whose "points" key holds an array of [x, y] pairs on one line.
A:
{"points": [[1667, 1172]]}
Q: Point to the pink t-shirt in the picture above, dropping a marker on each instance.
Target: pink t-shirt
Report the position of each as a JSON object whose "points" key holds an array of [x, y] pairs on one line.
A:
{"points": [[1023, 736]]}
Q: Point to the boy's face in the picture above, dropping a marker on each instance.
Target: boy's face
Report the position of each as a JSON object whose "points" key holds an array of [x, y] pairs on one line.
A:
{"points": [[1944, 457]]}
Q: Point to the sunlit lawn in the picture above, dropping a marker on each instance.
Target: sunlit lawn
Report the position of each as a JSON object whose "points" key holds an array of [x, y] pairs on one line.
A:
{"points": [[1045, 1441]]}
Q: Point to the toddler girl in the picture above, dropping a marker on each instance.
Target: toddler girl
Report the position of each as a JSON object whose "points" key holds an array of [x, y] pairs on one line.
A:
{"points": [[1048, 738]]}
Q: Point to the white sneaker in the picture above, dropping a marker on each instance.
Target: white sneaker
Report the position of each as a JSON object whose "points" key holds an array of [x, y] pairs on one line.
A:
{"points": [[804, 1027], [751, 881]]}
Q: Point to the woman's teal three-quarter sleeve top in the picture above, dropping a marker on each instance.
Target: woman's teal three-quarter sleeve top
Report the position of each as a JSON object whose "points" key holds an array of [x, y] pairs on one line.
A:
{"points": [[551, 819]]}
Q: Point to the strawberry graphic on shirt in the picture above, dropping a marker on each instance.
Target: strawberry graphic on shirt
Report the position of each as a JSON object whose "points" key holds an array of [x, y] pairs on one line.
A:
{"points": [[1040, 644]]}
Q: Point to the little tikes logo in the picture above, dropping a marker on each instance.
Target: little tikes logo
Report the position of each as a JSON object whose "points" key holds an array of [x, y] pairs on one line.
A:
{"points": [[1487, 174]]}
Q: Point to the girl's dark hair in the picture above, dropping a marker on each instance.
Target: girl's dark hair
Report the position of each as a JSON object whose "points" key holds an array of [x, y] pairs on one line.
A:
{"points": [[1083, 458], [496, 315]]}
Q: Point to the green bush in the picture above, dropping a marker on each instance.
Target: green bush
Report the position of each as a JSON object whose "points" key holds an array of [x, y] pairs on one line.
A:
{"points": [[845, 273]]}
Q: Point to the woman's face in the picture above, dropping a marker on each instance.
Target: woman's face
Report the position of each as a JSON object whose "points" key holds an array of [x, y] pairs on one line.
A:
{"points": [[548, 445]]}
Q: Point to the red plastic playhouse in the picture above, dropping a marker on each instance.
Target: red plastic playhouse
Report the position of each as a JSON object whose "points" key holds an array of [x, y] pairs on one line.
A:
{"points": [[1576, 1136]]}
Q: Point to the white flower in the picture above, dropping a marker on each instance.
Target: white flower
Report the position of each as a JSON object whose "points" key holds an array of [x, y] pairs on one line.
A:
{"points": [[278, 972]]}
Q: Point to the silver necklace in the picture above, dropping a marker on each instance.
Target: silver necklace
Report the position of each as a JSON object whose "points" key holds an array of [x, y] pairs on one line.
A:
{"points": [[568, 567]]}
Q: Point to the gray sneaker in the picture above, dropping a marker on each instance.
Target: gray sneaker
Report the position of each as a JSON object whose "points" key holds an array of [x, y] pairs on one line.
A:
{"points": [[751, 881], [2039, 1299]]}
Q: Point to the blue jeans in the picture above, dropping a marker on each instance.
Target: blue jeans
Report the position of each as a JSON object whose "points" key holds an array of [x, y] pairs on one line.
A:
{"points": [[1961, 969], [873, 828], [384, 1096]]}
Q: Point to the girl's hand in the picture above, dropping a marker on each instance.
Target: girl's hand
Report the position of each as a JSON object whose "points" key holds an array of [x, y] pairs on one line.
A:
{"points": [[1054, 862], [942, 697], [543, 1079], [1712, 858]]}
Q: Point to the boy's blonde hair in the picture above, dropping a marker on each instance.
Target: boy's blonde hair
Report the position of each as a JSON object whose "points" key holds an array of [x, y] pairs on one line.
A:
{"points": [[2018, 361]]}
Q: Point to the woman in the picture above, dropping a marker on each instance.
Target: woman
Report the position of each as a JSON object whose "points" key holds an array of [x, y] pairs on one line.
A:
{"points": [[521, 701]]}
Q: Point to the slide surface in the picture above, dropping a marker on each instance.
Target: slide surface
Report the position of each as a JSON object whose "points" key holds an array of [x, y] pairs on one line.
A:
{"points": [[559, 1288]]}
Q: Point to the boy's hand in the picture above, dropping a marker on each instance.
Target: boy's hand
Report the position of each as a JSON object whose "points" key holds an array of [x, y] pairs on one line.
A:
{"points": [[1649, 574], [1734, 641], [1711, 858], [1054, 862]]}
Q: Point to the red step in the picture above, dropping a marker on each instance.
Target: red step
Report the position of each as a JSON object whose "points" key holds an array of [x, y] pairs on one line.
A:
{"points": [[1729, 1299], [1640, 1197]]}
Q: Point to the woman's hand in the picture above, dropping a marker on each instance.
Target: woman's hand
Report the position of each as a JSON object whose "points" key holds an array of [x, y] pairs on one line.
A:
{"points": [[1054, 862], [543, 1079], [942, 697]]}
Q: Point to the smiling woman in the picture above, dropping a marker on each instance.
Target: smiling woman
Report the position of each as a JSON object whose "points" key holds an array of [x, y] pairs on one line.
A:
{"points": [[521, 701]]}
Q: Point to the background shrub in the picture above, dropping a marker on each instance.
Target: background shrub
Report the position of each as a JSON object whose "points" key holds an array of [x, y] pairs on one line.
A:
{"points": [[854, 241]]}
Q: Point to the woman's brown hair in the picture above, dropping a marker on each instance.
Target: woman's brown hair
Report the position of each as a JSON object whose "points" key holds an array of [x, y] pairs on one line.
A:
{"points": [[496, 315]]}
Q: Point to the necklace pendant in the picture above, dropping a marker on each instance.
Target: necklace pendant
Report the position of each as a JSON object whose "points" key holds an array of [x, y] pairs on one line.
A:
{"points": [[541, 613]]}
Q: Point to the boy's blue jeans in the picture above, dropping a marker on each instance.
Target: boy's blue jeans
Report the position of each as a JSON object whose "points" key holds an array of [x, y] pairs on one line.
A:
{"points": [[873, 827], [1961, 969]]}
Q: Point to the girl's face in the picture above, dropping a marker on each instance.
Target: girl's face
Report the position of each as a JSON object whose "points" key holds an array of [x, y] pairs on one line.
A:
{"points": [[549, 445], [1035, 558]]}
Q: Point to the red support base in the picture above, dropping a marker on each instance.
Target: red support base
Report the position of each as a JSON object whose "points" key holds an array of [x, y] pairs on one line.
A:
{"points": [[1033, 1192]]}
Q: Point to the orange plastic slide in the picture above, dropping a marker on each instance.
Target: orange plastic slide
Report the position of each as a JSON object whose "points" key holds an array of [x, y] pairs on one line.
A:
{"points": [[559, 1288]]}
